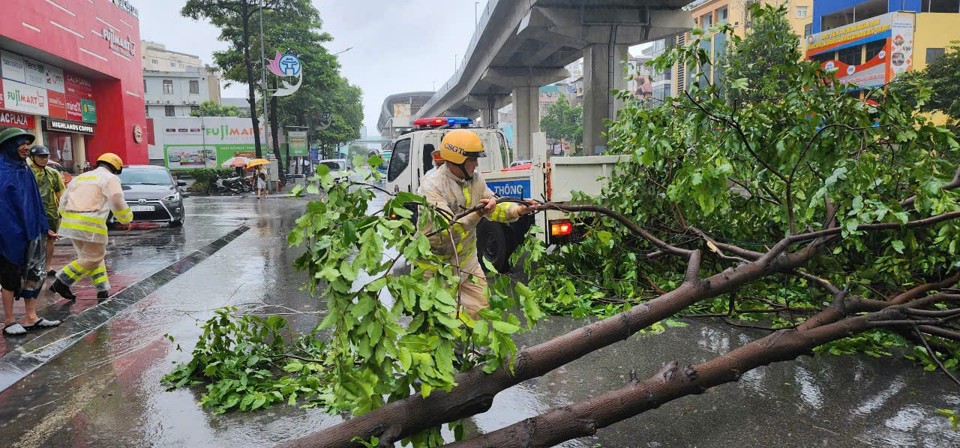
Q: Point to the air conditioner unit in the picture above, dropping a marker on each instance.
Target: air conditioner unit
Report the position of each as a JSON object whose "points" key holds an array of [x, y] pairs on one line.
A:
{"points": [[184, 101], [169, 102]]}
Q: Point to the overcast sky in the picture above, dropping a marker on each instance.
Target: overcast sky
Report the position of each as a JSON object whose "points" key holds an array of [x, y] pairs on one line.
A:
{"points": [[397, 45]]}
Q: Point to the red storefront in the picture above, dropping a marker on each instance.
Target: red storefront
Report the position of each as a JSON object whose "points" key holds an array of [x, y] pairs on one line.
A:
{"points": [[71, 74]]}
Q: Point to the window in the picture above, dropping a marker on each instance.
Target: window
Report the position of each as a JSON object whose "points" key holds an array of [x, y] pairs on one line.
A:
{"points": [[173, 64], [194, 110], [427, 157], [933, 54], [722, 15], [941, 6], [873, 49], [399, 160], [144, 86], [851, 56], [154, 61], [169, 111], [807, 30], [801, 12], [168, 87], [706, 21], [194, 87]]}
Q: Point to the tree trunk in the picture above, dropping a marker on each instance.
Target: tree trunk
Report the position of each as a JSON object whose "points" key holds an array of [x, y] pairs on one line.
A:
{"points": [[475, 390], [584, 418], [251, 91]]}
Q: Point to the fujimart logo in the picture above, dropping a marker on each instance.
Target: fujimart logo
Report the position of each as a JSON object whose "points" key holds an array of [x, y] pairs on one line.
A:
{"points": [[19, 98], [225, 131]]}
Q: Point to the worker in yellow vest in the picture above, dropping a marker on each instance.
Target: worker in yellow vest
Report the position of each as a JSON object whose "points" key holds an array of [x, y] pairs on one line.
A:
{"points": [[456, 186], [84, 209]]}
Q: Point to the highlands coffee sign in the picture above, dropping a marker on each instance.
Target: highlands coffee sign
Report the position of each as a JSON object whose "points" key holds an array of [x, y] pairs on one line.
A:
{"points": [[67, 126], [119, 43]]}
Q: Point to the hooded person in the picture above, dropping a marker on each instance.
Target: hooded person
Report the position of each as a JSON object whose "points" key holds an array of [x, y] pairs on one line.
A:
{"points": [[51, 189], [22, 232]]}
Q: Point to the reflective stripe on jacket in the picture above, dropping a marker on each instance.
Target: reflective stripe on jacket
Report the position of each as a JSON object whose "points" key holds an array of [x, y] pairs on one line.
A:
{"points": [[88, 201], [447, 192]]}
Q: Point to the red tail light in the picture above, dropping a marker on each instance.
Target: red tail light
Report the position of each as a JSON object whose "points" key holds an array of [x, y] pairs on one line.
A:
{"points": [[562, 228]]}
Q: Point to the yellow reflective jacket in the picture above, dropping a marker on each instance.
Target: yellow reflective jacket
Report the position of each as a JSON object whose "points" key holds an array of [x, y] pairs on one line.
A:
{"points": [[447, 192], [51, 188], [88, 201]]}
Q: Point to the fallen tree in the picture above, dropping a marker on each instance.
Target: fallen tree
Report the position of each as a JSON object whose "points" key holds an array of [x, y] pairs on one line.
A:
{"points": [[815, 201]]}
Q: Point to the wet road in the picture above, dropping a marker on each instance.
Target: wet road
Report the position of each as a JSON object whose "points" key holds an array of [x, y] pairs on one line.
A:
{"points": [[105, 389]]}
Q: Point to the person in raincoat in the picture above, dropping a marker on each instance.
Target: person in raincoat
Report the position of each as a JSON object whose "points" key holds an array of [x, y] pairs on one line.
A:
{"points": [[22, 231], [84, 208], [455, 187], [51, 189]]}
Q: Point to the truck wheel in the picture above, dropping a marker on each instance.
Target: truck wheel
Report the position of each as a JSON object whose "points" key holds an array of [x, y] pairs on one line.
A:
{"points": [[493, 245]]}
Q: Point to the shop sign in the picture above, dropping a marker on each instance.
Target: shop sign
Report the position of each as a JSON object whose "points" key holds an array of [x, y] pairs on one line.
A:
{"points": [[77, 85], [35, 73], [12, 66], [74, 108], [57, 104], [52, 124], [54, 78], [16, 119], [89, 110], [23, 98], [297, 141], [126, 6], [118, 43]]}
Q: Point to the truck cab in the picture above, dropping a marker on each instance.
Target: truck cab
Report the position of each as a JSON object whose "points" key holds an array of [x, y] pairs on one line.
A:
{"points": [[556, 181], [410, 154]]}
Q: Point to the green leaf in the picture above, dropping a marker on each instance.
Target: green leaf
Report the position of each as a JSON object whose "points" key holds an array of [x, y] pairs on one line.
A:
{"points": [[897, 245], [505, 327]]}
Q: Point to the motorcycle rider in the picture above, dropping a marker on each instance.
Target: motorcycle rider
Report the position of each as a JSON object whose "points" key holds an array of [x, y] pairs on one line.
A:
{"points": [[84, 207]]}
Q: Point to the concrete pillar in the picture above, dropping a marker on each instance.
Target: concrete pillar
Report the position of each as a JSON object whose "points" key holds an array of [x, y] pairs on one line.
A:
{"points": [[491, 114], [79, 148], [37, 131], [602, 73], [527, 109]]}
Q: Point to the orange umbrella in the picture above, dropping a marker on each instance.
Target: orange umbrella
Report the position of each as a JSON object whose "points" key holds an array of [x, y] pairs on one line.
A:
{"points": [[236, 162], [257, 162]]}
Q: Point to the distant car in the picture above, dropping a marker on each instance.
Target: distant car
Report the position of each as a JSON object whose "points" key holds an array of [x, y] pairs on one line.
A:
{"points": [[519, 162], [152, 194], [67, 177]]}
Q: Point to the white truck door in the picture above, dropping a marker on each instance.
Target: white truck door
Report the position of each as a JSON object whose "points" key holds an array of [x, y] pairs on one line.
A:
{"points": [[399, 171]]}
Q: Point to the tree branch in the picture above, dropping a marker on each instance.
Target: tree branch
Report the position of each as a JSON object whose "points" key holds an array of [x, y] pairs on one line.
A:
{"points": [[933, 355], [955, 183]]}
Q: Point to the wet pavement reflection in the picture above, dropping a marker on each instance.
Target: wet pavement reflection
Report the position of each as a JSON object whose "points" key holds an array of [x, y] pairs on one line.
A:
{"points": [[104, 389]]}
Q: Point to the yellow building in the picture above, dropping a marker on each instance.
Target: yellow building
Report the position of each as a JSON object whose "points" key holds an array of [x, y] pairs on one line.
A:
{"points": [[707, 13]]}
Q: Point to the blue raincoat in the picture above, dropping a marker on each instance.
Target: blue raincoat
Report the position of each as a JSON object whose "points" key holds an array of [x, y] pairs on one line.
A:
{"points": [[22, 217]]}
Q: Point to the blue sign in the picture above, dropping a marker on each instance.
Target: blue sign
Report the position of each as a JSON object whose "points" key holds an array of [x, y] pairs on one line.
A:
{"points": [[519, 188], [289, 65]]}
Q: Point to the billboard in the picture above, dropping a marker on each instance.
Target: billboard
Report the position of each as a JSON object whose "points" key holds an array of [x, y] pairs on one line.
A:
{"points": [[893, 30], [297, 141], [195, 142]]}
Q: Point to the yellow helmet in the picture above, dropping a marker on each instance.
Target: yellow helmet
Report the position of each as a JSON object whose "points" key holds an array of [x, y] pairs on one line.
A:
{"points": [[113, 160], [459, 144]]}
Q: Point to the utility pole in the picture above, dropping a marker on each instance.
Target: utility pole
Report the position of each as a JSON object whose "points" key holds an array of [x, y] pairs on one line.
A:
{"points": [[263, 78]]}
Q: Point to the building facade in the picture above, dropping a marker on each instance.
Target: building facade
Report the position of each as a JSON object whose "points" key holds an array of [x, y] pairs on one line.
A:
{"points": [[71, 75], [174, 83], [707, 13], [870, 42], [176, 94]]}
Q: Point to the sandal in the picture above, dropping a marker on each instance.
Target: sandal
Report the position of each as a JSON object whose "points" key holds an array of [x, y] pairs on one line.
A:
{"points": [[14, 329], [42, 323]]}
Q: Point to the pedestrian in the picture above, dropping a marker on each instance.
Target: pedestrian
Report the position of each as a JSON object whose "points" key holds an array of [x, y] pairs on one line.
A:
{"points": [[456, 186], [51, 189], [23, 227], [85, 205], [261, 185]]}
